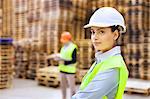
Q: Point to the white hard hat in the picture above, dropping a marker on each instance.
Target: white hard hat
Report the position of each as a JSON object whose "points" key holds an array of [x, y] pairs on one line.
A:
{"points": [[105, 17]]}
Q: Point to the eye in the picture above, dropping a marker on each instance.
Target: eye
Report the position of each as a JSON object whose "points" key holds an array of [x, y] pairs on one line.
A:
{"points": [[101, 32]]}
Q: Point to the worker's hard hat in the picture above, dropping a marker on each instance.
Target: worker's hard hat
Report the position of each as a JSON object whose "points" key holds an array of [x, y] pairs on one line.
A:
{"points": [[105, 17], [66, 36]]}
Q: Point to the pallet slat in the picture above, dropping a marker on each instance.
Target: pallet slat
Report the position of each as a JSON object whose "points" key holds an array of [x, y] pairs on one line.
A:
{"points": [[138, 86]]}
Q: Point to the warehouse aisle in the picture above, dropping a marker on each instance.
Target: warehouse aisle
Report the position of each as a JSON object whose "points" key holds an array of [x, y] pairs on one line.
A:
{"points": [[28, 89]]}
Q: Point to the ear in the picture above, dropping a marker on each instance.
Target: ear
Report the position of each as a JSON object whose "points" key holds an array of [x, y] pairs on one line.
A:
{"points": [[116, 35]]}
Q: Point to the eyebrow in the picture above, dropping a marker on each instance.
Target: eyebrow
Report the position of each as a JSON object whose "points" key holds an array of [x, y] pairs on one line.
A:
{"points": [[99, 28]]}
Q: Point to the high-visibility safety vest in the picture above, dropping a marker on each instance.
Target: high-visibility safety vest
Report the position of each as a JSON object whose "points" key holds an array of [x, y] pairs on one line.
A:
{"points": [[67, 54], [112, 62]]}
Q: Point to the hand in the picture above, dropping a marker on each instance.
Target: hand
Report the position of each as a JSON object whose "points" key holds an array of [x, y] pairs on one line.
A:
{"points": [[57, 57], [53, 56]]}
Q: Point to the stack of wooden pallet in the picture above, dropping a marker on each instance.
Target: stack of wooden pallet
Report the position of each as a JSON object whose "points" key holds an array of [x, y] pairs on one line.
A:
{"points": [[33, 33], [34, 20], [37, 60], [33, 65], [1, 18], [31, 44], [6, 49], [48, 76], [85, 53], [21, 62], [85, 56], [145, 67], [42, 60], [80, 14], [120, 5], [57, 17], [98, 3], [19, 18], [138, 38], [6, 57], [7, 17], [19, 9]]}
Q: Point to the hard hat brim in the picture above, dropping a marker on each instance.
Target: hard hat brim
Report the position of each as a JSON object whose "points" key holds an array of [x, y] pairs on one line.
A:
{"points": [[104, 25], [96, 25]]}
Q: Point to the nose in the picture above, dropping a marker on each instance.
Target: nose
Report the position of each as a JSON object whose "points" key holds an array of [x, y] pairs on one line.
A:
{"points": [[94, 36]]}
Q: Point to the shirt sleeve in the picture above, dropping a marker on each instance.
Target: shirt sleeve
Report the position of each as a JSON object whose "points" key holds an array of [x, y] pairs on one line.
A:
{"points": [[103, 84], [74, 58]]}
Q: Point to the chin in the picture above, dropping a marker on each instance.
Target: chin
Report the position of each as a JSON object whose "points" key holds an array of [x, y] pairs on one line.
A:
{"points": [[97, 49], [102, 50]]}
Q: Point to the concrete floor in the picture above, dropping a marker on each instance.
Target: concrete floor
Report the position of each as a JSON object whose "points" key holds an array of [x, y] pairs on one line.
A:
{"points": [[28, 89]]}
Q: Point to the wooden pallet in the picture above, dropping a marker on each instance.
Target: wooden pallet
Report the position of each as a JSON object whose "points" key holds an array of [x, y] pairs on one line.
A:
{"points": [[41, 76], [36, 4], [31, 76], [3, 86], [48, 81], [48, 76], [53, 83], [53, 78], [21, 75], [50, 84], [5, 82], [138, 86]]}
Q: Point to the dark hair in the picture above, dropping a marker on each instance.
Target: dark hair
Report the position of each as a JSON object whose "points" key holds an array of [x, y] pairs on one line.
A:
{"points": [[116, 27]]}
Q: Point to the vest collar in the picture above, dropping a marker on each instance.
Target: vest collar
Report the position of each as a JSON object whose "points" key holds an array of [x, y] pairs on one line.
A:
{"points": [[99, 56], [67, 45]]}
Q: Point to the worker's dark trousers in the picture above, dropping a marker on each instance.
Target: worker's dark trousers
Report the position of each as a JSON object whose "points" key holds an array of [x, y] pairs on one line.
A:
{"points": [[67, 79]]}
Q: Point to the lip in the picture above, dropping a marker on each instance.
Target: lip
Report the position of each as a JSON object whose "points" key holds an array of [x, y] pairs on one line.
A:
{"points": [[96, 43]]}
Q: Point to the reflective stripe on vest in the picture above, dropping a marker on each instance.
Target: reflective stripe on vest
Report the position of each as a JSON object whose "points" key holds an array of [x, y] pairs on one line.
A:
{"points": [[67, 54], [111, 62]]}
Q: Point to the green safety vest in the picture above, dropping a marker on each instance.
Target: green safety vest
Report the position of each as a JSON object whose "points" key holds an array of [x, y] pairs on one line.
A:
{"points": [[67, 54], [111, 62]]}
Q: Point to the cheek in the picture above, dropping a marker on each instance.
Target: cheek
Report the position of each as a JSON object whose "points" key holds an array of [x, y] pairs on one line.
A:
{"points": [[108, 40]]}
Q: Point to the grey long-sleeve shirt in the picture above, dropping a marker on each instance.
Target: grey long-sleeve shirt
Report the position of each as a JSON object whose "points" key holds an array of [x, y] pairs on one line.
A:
{"points": [[104, 83]]}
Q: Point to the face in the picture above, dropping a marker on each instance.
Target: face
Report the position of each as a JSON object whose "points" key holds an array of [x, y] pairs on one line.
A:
{"points": [[103, 39], [63, 41]]}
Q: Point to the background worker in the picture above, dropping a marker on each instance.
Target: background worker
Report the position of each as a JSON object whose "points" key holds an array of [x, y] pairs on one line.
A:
{"points": [[107, 77], [67, 63]]}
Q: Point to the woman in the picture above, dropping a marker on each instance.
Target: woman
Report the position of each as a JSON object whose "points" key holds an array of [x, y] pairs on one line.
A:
{"points": [[107, 77]]}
